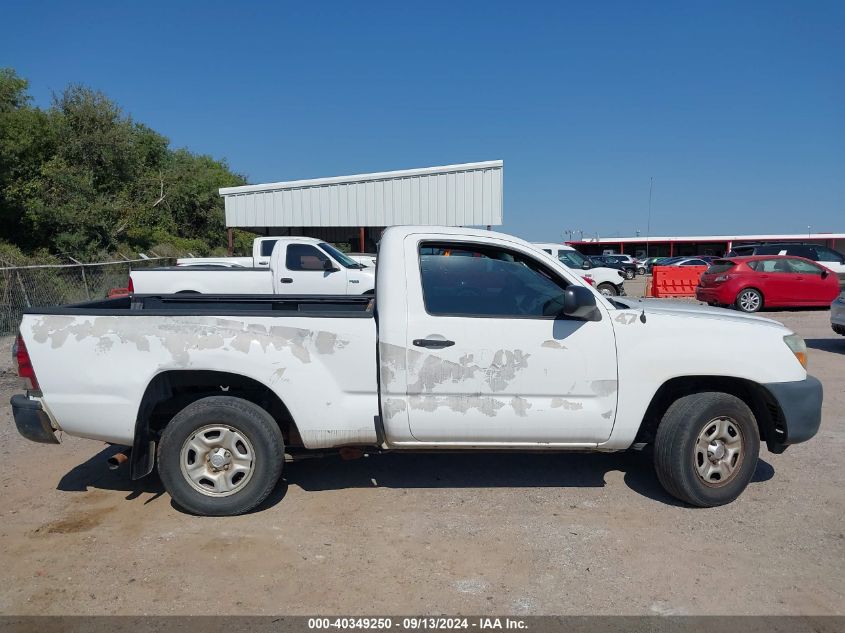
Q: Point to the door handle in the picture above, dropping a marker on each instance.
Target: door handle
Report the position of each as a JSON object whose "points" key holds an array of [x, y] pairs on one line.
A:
{"points": [[286, 280], [264, 263], [432, 343]]}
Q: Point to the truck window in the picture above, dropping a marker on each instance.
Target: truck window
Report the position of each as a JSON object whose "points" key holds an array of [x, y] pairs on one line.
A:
{"points": [[488, 282], [267, 247], [305, 257]]}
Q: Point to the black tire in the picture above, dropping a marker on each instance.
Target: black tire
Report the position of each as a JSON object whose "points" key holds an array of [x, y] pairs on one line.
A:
{"points": [[265, 449], [641, 271], [677, 449], [749, 300], [630, 273], [608, 289]]}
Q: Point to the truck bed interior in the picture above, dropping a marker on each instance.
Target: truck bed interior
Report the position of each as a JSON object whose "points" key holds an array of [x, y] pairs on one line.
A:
{"points": [[339, 306]]}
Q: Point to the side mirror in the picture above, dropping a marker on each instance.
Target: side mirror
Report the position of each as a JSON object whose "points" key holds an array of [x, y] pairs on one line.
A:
{"points": [[580, 303], [586, 265], [825, 273], [329, 267]]}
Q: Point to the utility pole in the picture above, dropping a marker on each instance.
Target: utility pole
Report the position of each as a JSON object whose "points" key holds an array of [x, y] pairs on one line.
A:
{"points": [[648, 224]]}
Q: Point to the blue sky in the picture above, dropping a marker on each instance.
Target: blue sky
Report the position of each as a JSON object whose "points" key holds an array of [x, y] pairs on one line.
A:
{"points": [[737, 109]]}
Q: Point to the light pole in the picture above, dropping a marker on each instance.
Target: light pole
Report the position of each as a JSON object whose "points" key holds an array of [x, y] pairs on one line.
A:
{"points": [[648, 224]]}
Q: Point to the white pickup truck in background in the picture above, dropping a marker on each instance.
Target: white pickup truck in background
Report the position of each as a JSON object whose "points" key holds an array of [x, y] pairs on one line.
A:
{"points": [[262, 249], [297, 266], [475, 340], [608, 281]]}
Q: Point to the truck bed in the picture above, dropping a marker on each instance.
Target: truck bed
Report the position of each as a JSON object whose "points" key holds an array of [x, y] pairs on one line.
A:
{"points": [[352, 306], [96, 360]]}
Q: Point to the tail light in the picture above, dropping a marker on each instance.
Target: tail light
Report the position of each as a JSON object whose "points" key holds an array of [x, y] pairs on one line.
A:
{"points": [[721, 278], [131, 286], [25, 368]]}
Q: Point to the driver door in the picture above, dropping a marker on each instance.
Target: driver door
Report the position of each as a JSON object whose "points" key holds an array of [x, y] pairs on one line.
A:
{"points": [[309, 271], [489, 361]]}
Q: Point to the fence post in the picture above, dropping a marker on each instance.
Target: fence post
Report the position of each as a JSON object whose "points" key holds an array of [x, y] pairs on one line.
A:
{"points": [[23, 290], [84, 279]]}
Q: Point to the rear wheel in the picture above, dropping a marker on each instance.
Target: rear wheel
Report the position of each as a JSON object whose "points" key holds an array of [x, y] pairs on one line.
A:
{"points": [[607, 289], [706, 448], [630, 273], [220, 456], [749, 300], [641, 271]]}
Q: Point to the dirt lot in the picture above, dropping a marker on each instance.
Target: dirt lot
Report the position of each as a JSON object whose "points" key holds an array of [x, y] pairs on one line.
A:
{"points": [[393, 534]]}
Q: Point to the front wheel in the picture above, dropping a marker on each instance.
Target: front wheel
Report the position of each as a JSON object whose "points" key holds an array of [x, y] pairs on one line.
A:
{"points": [[641, 271], [220, 456], [749, 300], [607, 289], [706, 448], [630, 273]]}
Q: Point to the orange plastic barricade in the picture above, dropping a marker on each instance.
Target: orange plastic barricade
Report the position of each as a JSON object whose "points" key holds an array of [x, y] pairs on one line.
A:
{"points": [[675, 281]]}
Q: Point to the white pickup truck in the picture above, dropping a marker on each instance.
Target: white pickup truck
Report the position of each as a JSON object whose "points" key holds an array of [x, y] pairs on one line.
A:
{"points": [[474, 340], [608, 281], [262, 249], [297, 265]]}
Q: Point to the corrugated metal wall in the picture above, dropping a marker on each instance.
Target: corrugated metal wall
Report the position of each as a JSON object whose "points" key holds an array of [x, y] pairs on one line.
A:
{"points": [[453, 195]]}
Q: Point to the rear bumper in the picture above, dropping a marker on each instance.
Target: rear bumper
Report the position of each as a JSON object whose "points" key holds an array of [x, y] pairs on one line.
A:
{"points": [[32, 422], [709, 295], [800, 404]]}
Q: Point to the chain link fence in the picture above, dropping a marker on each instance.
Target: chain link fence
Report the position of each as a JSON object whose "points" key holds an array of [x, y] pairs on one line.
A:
{"points": [[25, 287]]}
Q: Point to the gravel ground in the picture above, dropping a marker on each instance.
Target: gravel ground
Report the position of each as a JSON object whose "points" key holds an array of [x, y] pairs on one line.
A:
{"points": [[406, 534]]}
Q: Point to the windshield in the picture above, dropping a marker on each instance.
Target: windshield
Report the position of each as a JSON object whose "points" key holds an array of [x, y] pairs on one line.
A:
{"points": [[341, 258], [572, 259]]}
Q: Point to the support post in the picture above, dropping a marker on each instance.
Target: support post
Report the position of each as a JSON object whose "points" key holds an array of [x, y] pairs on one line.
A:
{"points": [[362, 237], [230, 239]]}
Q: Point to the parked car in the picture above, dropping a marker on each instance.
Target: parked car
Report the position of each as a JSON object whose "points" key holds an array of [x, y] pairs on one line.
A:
{"points": [[262, 248], [629, 269], [648, 263], [686, 261], [298, 265], [751, 283], [837, 314], [365, 259], [505, 349], [620, 257], [662, 261], [827, 257], [608, 281], [746, 250]]}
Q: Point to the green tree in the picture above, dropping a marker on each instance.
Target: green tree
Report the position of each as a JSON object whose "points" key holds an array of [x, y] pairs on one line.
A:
{"points": [[83, 179]]}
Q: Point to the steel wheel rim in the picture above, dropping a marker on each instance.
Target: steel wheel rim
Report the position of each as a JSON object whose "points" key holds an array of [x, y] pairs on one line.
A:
{"points": [[217, 460], [630, 274], [718, 453], [605, 292], [749, 301]]}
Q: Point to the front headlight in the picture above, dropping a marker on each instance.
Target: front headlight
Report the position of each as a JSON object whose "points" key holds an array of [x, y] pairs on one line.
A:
{"points": [[798, 347]]}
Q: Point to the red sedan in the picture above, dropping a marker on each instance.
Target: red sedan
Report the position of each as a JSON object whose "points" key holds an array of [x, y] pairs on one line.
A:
{"points": [[751, 283]]}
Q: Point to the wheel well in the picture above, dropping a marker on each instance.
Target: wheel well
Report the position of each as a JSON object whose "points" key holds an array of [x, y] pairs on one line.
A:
{"points": [[763, 405], [171, 391]]}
